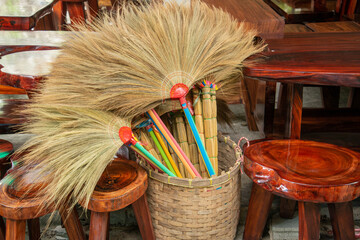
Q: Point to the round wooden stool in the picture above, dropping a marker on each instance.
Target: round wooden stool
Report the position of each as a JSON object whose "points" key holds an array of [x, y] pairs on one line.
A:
{"points": [[306, 171], [18, 204], [123, 183]]}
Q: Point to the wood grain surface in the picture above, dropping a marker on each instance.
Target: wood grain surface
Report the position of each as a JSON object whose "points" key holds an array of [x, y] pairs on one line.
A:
{"points": [[311, 58], [122, 183], [341, 26], [304, 170], [255, 14]]}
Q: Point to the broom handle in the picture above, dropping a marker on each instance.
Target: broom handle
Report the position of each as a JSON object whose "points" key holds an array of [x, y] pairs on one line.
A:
{"points": [[154, 160], [161, 150], [198, 140], [175, 146], [146, 158], [158, 136]]}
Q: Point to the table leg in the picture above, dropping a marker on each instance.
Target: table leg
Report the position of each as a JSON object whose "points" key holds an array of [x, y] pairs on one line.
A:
{"points": [[294, 111], [270, 91], [342, 220]]}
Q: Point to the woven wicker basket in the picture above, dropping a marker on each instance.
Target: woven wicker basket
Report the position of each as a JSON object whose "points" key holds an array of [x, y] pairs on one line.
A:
{"points": [[199, 208]]}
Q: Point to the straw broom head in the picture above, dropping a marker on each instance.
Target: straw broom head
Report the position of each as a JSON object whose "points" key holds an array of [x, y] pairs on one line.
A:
{"points": [[128, 62], [70, 150]]}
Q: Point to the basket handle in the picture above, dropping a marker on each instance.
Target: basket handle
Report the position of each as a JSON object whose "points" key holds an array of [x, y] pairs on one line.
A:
{"points": [[239, 148]]}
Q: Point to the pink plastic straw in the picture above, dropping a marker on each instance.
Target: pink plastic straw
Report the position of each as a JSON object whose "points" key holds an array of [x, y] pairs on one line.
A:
{"points": [[176, 144]]}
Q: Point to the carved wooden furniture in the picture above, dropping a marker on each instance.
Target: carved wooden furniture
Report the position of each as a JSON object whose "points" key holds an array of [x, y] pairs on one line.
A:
{"points": [[310, 172], [123, 183], [23, 15], [19, 205], [329, 59]]}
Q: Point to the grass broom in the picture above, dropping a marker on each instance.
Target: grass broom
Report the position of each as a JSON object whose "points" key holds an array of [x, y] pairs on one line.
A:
{"points": [[160, 50]]}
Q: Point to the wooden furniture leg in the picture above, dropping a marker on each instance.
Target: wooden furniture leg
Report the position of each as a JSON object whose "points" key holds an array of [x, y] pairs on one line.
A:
{"points": [[76, 11], [294, 103], [99, 222], [249, 92], [309, 221], [330, 97], [143, 218], [270, 91], [287, 208], [342, 220], [72, 224], [2, 229], [15, 229], [259, 208], [34, 228], [294, 97]]}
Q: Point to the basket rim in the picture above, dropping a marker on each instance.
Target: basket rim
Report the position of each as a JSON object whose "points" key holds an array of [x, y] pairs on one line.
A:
{"points": [[205, 182]]}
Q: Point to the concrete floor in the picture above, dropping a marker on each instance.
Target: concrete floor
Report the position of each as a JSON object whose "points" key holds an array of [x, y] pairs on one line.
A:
{"points": [[123, 224]]}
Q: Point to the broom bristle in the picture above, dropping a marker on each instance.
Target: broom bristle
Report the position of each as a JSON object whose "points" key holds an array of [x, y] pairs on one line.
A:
{"points": [[128, 62], [69, 152]]}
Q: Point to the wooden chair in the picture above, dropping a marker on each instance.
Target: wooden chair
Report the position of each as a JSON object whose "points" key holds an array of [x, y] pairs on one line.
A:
{"points": [[123, 183], [306, 171]]}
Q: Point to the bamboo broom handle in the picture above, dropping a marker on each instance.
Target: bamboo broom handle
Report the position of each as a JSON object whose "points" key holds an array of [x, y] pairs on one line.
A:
{"points": [[162, 153], [180, 164], [200, 126], [194, 154], [208, 123], [182, 138], [158, 136], [148, 144], [161, 126], [214, 124], [201, 147]]}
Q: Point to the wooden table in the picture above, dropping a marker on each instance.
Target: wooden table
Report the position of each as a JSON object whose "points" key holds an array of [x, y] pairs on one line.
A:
{"points": [[21, 14], [329, 59], [255, 14]]}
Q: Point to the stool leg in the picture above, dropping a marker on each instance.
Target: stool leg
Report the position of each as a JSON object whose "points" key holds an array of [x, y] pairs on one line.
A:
{"points": [[143, 218], [99, 226], [2, 229], [309, 221], [342, 220], [258, 211], [72, 224], [34, 228], [287, 208], [15, 229]]}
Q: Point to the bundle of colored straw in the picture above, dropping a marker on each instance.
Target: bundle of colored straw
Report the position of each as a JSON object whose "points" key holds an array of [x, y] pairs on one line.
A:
{"points": [[182, 138], [214, 126]]}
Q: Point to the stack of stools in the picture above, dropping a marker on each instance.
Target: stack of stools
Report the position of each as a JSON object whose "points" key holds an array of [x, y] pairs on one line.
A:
{"points": [[306, 171], [123, 183]]}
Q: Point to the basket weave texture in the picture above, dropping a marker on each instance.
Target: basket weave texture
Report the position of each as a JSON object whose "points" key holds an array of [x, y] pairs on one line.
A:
{"points": [[198, 208]]}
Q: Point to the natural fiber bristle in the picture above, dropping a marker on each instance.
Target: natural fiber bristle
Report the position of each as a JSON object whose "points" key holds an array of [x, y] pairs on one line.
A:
{"points": [[128, 62], [69, 152]]}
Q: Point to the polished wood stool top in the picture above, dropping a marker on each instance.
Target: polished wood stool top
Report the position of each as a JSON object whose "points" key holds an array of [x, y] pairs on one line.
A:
{"points": [[305, 170], [122, 183]]}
